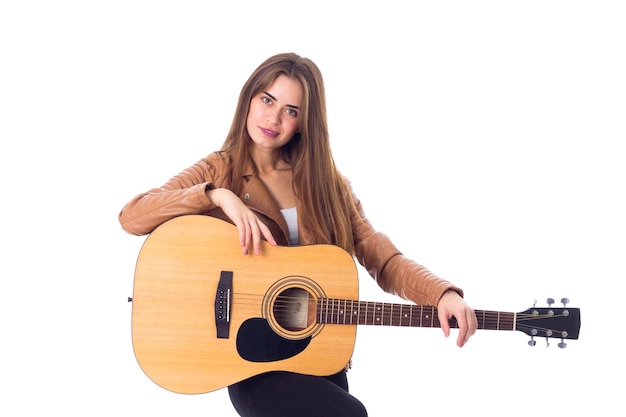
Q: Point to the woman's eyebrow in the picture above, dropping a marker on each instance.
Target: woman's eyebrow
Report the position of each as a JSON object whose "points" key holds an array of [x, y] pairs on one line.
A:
{"points": [[274, 98]]}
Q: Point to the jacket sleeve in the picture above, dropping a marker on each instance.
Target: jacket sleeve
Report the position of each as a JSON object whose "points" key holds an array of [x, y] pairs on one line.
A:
{"points": [[181, 195], [393, 272]]}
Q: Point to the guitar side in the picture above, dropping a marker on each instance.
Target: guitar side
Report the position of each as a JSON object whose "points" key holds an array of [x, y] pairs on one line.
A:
{"points": [[174, 328]]}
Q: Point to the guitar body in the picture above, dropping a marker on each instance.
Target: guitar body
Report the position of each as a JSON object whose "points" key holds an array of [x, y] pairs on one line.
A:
{"points": [[206, 316]]}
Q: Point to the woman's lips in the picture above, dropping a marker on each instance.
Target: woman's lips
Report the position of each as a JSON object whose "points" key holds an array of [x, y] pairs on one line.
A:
{"points": [[268, 132]]}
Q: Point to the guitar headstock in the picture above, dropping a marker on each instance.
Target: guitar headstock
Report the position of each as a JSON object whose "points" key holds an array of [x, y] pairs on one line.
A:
{"points": [[550, 322]]}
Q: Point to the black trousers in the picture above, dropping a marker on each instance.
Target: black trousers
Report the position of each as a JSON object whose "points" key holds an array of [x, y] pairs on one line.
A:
{"points": [[286, 394]]}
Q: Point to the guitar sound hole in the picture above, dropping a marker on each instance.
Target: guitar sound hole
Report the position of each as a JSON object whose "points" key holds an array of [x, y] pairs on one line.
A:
{"points": [[294, 309]]}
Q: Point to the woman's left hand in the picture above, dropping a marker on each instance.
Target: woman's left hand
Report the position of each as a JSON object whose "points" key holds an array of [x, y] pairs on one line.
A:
{"points": [[451, 305]]}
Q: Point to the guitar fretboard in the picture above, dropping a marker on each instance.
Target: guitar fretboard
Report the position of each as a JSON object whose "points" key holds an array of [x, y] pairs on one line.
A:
{"points": [[337, 311]]}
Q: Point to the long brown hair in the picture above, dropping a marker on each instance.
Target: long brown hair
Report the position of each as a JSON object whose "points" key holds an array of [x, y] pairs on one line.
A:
{"points": [[321, 189]]}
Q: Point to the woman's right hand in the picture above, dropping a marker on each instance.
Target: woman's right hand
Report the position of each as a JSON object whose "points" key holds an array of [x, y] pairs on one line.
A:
{"points": [[250, 227]]}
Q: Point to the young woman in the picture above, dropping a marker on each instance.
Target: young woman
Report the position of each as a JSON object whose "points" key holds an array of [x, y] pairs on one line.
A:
{"points": [[275, 179]]}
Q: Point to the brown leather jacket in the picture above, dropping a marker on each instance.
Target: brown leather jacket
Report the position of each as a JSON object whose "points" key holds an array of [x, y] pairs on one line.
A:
{"points": [[185, 194]]}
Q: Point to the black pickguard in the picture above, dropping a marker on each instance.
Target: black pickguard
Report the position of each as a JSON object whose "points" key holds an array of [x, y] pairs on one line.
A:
{"points": [[257, 342]]}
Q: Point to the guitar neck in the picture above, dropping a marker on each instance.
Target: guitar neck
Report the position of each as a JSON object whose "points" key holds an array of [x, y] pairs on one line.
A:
{"points": [[337, 311]]}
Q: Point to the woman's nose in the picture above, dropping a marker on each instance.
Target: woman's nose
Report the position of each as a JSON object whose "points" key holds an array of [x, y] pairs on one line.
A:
{"points": [[273, 116]]}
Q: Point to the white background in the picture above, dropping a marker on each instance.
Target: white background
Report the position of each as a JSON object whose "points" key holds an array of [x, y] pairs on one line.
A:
{"points": [[485, 137]]}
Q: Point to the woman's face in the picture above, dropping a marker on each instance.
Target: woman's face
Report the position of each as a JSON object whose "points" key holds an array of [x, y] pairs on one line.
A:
{"points": [[273, 117]]}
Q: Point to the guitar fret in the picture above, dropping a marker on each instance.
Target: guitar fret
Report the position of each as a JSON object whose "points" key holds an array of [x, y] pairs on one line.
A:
{"points": [[329, 311], [326, 315], [432, 318], [361, 313], [320, 303], [421, 315], [495, 320], [384, 312], [339, 311], [351, 310], [410, 315], [376, 311], [376, 318], [343, 311], [365, 313]]}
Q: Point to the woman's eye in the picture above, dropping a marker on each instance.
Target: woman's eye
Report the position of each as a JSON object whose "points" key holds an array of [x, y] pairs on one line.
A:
{"points": [[266, 100], [291, 112]]}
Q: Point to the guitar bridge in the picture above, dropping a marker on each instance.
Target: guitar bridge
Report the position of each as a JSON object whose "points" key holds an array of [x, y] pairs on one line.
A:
{"points": [[223, 298]]}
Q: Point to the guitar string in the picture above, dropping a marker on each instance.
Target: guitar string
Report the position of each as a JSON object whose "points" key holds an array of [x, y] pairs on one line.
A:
{"points": [[393, 309], [387, 309], [487, 319], [284, 304]]}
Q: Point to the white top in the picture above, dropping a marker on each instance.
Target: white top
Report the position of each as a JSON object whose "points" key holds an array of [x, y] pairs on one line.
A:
{"points": [[291, 216]]}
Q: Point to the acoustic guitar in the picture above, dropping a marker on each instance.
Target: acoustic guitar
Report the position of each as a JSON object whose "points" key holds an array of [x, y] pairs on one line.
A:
{"points": [[205, 316]]}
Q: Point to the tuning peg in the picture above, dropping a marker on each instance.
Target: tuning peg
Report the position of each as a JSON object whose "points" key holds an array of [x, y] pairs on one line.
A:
{"points": [[548, 335], [550, 301], [562, 344], [565, 301], [532, 341]]}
